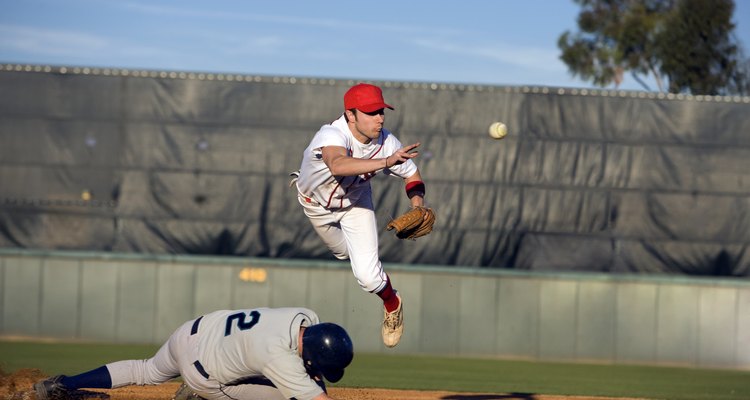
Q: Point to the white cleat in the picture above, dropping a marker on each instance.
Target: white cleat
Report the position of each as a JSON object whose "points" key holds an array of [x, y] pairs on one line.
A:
{"points": [[393, 325]]}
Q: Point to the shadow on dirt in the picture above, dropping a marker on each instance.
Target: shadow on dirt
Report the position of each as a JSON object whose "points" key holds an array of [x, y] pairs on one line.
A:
{"points": [[508, 396]]}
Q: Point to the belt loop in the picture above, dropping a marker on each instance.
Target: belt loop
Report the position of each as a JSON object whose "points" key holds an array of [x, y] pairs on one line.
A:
{"points": [[200, 369], [194, 329]]}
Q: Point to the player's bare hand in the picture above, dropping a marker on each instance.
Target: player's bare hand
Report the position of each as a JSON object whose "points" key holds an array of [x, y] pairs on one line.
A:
{"points": [[402, 155]]}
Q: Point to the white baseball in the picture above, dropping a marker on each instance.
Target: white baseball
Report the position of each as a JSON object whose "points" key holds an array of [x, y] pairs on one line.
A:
{"points": [[498, 130]]}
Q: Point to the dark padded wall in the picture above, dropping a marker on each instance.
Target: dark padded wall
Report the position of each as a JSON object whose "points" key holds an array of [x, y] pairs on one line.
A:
{"points": [[190, 163]]}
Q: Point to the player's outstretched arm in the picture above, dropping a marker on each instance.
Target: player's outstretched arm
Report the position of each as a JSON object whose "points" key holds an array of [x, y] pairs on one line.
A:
{"points": [[323, 396], [341, 164]]}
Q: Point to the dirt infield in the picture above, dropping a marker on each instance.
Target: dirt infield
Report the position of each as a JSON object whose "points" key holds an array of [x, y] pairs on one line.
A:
{"points": [[17, 386]]}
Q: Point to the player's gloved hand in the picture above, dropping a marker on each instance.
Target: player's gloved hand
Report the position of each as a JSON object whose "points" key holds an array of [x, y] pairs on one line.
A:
{"points": [[414, 223]]}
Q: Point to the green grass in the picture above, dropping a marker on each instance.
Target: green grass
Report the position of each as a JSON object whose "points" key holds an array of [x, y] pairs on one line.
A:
{"points": [[497, 376], [67, 358], [439, 373]]}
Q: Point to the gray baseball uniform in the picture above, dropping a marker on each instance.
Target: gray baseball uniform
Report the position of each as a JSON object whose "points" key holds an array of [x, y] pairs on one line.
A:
{"points": [[231, 354]]}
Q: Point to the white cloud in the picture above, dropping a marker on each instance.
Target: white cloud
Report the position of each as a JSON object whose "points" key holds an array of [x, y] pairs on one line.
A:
{"points": [[524, 57], [255, 46], [72, 47], [213, 41], [333, 24], [48, 41]]}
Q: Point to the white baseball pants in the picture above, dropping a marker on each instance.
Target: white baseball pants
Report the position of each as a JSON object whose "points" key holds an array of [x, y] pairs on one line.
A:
{"points": [[351, 233]]}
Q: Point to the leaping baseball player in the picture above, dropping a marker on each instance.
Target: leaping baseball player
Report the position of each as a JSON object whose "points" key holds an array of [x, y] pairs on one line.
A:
{"points": [[262, 353], [333, 185]]}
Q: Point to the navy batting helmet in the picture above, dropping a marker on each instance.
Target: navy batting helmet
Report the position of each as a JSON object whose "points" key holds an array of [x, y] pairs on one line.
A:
{"points": [[327, 349]]}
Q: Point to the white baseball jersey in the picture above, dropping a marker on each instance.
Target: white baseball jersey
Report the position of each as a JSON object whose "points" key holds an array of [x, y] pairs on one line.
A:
{"points": [[333, 192], [237, 344]]}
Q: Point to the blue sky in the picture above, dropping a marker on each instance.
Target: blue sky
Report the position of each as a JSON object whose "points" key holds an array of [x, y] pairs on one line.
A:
{"points": [[500, 42]]}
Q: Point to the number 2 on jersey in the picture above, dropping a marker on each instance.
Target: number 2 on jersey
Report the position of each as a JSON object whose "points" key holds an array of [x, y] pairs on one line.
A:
{"points": [[243, 323]]}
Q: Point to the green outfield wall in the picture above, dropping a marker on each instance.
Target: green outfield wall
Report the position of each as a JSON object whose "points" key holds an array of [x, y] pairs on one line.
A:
{"points": [[572, 317]]}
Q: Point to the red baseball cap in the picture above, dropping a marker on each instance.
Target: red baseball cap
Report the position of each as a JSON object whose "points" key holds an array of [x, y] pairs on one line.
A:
{"points": [[365, 97]]}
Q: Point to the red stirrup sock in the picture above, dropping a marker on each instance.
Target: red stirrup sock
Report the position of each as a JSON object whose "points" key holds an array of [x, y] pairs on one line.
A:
{"points": [[390, 301]]}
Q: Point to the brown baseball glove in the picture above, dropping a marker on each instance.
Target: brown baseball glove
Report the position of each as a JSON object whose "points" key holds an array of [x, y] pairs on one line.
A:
{"points": [[414, 223]]}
